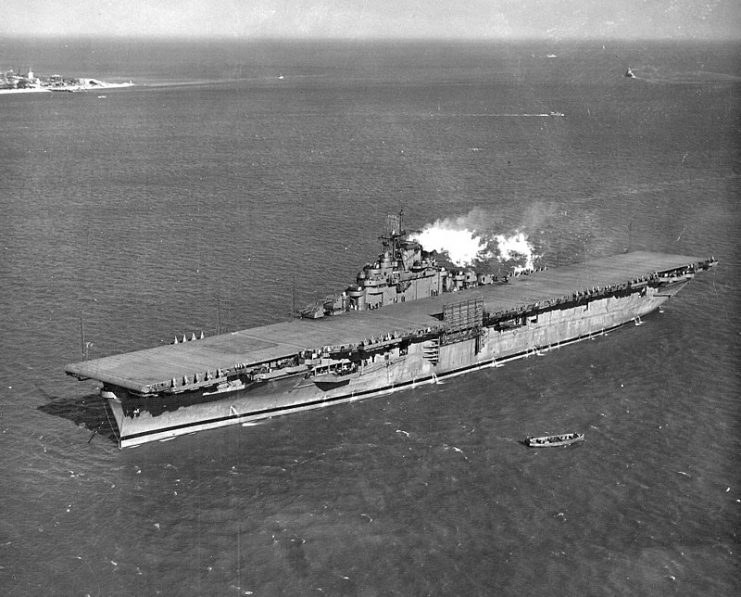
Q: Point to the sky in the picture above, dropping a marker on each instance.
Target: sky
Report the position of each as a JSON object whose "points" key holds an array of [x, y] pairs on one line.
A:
{"points": [[384, 19]]}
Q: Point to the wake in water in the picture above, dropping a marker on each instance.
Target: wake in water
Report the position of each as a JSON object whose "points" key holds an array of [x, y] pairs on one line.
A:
{"points": [[464, 244], [507, 114], [652, 74]]}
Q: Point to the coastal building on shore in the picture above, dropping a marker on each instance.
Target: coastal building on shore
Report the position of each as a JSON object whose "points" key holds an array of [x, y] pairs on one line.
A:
{"points": [[10, 80]]}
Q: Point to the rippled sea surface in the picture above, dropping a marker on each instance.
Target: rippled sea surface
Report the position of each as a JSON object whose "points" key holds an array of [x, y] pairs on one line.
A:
{"points": [[235, 181]]}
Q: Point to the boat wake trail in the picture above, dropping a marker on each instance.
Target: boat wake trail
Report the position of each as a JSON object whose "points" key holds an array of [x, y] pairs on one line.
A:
{"points": [[501, 115]]}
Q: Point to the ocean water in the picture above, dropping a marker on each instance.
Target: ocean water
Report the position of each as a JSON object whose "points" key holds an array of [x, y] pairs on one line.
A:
{"points": [[236, 181]]}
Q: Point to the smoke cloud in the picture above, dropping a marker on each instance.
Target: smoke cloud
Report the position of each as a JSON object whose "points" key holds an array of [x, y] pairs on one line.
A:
{"points": [[465, 241]]}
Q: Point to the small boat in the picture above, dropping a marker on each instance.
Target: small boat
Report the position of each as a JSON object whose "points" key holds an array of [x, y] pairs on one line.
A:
{"points": [[554, 441], [629, 74], [328, 377]]}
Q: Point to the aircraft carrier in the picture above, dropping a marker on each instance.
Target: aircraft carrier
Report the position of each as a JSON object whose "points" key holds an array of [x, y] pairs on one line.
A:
{"points": [[405, 322]]}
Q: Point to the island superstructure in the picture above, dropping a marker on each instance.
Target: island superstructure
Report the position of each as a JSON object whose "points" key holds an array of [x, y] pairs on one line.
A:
{"points": [[403, 271], [406, 321]]}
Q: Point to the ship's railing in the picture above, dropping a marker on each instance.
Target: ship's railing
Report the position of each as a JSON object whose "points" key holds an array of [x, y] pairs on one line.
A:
{"points": [[464, 317], [585, 295]]}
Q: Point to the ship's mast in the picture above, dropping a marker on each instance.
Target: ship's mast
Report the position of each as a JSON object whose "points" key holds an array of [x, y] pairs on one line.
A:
{"points": [[394, 231]]}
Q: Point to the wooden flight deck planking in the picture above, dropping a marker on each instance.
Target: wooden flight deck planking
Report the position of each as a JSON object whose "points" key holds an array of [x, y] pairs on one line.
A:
{"points": [[141, 369]]}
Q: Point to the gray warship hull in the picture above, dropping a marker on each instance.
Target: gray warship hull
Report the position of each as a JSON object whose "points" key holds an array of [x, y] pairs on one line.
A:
{"points": [[304, 364]]}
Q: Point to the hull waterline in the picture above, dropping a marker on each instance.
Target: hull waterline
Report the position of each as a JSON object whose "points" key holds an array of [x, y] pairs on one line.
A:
{"points": [[379, 337]]}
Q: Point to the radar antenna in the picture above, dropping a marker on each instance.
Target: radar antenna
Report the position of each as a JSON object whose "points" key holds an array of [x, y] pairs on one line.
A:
{"points": [[394, 231]]}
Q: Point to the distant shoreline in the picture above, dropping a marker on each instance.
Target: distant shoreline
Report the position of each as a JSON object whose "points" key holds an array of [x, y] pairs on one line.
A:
{"points": [[66, 88]]}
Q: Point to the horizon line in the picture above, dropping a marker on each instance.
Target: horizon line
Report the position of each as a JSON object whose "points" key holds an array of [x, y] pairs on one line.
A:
{"points": [[354, 39]]}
